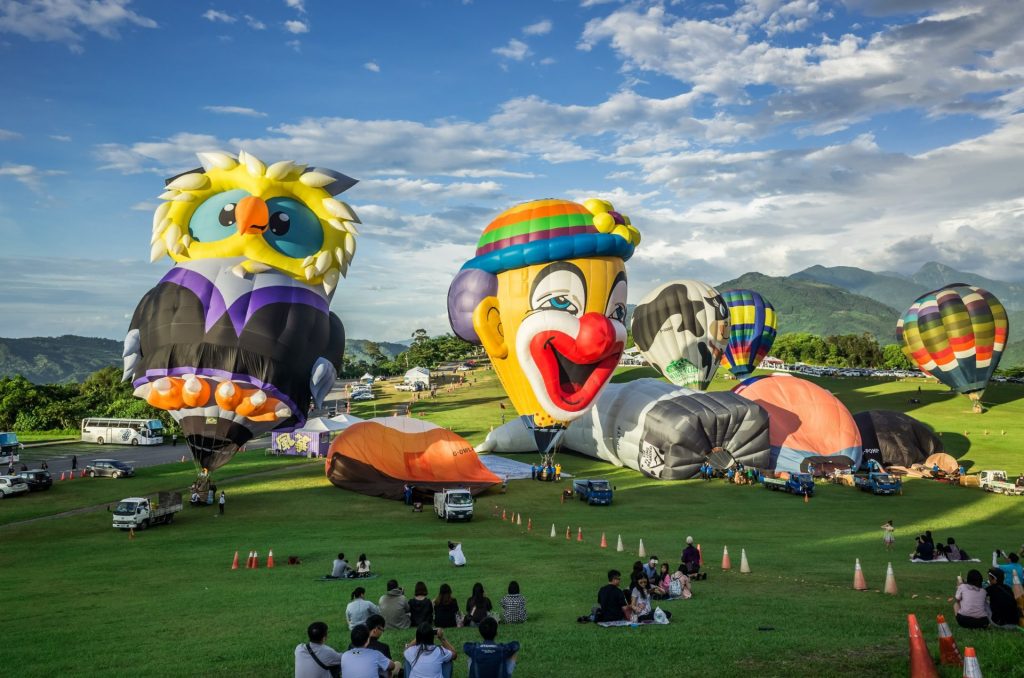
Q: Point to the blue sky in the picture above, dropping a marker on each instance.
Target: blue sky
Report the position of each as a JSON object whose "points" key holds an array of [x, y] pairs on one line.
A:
{"points": [[768, 135]]}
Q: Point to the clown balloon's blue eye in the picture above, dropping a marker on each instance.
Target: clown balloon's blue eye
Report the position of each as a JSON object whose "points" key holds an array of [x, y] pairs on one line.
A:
{"points": [[294, 230], [561, 303], [215, 218], [619, 313]]}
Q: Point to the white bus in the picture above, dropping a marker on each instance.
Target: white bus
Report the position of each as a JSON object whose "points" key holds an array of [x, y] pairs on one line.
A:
{"points": [[102, 430], [10, 448]]}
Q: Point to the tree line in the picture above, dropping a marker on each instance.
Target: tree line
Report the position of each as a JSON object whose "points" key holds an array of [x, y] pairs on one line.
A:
{"points": [[843, 350], [425, 351]]}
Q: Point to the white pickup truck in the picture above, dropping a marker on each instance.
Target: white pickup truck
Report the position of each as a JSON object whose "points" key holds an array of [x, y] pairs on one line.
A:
{"points": [[995, 481], [141, 512], [454, 504]]}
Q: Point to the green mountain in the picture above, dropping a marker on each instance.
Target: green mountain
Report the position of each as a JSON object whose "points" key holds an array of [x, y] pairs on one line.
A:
{"points": [[356, 349], [54, 360], [818, 308]]}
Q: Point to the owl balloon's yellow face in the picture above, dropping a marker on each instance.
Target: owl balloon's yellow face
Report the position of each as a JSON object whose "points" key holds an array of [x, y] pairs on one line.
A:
{"points": [[281, 217]]}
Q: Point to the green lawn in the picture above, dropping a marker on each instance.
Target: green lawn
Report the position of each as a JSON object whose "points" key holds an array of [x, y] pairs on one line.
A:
{"points": [[97, 604]]}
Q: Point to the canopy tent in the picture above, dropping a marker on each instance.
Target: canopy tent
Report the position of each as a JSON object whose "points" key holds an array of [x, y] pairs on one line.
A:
{"points": [[378, 457], [809, 425], [894, 438], [346, 420], [323, 424], [366, 378]]}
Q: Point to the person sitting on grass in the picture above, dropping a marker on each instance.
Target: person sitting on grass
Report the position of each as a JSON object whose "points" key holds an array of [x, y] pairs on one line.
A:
{"points": [[634, 576], [611, 601], [513, 605], [679, 586], [951, 550], [340, 568], [315, 659], [660, 587], [394, 606], [1012, 565], [362, 566], [455, 554], [691, 559], [651, 569], [640, 600], [375, 624], [446, 608], [478, 606], [1001, 602], [362, 661], [971, 606], [924, 550], [359, 609], [491, 659], [424, 659], [420, 608]]}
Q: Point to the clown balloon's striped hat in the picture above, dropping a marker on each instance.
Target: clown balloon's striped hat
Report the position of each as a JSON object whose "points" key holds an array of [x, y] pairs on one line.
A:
{"points": [[541, 231]]}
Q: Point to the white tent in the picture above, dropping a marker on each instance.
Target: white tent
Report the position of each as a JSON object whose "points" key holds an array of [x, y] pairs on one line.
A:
{"points": [[418, 374], [366, 378], [344, 421], [319, 424]]}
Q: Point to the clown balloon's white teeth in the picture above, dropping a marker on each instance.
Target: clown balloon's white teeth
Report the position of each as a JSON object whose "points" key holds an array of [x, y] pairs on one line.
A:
{"points": [[217, 160], [193, 181], [226, 389], [258, 398]]}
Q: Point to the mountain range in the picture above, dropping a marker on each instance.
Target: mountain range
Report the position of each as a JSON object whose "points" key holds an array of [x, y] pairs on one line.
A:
{"points": [[818, 300]]}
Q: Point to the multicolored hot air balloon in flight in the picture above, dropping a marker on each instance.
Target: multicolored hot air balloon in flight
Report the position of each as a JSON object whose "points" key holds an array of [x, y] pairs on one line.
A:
{"points": [[956, 334], [238, 336], [752, 329], [682, 328]]}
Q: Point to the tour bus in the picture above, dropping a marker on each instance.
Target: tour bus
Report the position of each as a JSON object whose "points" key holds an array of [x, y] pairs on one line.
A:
{"points": [[10, 448], [102, 430]]}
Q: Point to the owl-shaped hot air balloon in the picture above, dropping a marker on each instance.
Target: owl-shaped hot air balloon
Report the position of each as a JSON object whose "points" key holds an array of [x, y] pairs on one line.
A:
{"points": [[956, 334], [238, 336]]}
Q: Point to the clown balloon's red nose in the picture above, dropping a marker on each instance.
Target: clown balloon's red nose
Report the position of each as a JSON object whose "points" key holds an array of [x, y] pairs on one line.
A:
{"points": [[595, 338]]}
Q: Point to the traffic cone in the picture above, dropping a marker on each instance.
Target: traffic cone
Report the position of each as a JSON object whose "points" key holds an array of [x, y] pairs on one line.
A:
{"points": [[62, 475], [890, 582], [248, 561], [579, 534], [700, 554], [604, 542], [948, 654], [503, 516], [183, 459], [642, 552], [82, 474], [744, 566], [858, 578], [971, 667], [726, 562], [921, 664], [552, 530], [255, 560], [519, 519], [234, 563], [529, 524], [619, 547], [270, 559], [568, 533], [807, 499]]}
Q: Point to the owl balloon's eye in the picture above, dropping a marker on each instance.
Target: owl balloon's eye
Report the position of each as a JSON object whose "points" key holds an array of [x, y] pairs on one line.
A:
{"points": [[227, 215], [280, 222], [212, 218]]}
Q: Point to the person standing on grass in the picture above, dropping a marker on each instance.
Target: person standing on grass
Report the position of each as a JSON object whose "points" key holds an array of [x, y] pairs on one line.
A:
{"points": [[315, 659], [174, 440], [74, 462], [888, 535], [221, 502]]}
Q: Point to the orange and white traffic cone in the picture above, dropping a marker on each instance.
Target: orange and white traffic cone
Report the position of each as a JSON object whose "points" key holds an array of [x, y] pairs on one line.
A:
{"points": [[604, 542], [503, 516], [552, 530], [270, 559], [971, 667], [255, 560], [62, 475], [248, 563], [726, 561], [858, 578], [234, 563], [890, 582], [568, 533], [641, 552], [744, 566], [519, 519], [82, 475], [921, 664], [529, 524], [619, 546], [948, 654], [579, 534]]}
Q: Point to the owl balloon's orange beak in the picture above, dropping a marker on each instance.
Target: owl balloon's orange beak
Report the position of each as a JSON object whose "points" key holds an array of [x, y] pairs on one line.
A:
{"points": [[251, 216]]}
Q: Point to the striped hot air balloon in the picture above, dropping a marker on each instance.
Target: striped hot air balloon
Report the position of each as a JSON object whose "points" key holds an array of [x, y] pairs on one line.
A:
{"points": [[752, 329], [956, 334]]}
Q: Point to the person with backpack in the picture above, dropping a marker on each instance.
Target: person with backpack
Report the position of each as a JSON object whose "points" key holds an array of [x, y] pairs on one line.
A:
{"points": [[679, 584], [491, 659]]}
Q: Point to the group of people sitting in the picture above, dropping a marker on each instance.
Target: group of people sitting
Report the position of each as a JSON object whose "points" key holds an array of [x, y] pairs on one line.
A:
{"points": [[925, 548], [981, 605], [428, 655], [443, 611], [340, 568]]}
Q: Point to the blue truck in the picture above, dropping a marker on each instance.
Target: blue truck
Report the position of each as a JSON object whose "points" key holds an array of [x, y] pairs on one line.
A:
{"points": [[593, 491], [796, 483], [879, 482]]}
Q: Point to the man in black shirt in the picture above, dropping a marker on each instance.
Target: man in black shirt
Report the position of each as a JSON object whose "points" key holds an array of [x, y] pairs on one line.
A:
{"points": [[1000, 600], [611, 599]]}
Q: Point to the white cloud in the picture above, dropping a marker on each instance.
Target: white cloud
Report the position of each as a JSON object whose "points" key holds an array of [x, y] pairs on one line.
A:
{"points": [[218, 16], [27, 175], [424, 191], [372, 66], [60, 137], [144, 206], [6, 135], [297, 5], [236, 110], [516, 50], [542, 27], [295, 45], [65, 21], [296, 27], [254, 23]]}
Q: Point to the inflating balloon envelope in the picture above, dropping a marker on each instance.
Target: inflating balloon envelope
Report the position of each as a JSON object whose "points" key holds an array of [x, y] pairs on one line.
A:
{"points": [[752, 329]]}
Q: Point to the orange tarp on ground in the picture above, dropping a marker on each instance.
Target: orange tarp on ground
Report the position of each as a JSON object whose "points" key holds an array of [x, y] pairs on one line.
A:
{"points": [[378, 457]]}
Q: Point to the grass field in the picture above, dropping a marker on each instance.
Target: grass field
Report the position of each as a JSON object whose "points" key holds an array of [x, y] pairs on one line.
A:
{"points": [[87, 601]]}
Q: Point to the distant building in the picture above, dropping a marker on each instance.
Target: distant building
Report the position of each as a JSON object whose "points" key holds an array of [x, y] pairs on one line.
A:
{"points": [[366, 378], [632, 357], [418, 375], [770, 363]]}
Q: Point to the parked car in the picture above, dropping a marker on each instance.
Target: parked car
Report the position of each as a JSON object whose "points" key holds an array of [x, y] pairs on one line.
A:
{"points": [[37, 479], [111, 468], [11, 486]]}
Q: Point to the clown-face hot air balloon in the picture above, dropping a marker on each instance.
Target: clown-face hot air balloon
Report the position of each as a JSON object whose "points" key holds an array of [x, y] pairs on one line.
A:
{"points": [[238, 336], [752, 327], [956, 334], [546, 297], [682, 328]]}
